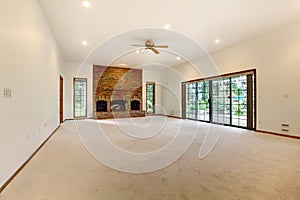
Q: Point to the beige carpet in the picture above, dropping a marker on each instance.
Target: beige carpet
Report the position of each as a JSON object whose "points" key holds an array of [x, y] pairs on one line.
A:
{"points": [[242, 165]]}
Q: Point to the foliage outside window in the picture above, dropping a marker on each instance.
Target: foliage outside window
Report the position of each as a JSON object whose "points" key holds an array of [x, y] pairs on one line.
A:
{"points": [[150, 98], [222, 100], [80, 97]]}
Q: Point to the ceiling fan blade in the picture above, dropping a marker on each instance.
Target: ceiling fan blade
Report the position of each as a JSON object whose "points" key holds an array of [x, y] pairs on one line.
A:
{"points": [[161, 46], [154, 50], [137, 45]]}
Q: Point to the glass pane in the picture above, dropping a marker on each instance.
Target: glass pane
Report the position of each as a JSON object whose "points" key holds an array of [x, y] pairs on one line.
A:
{"points": [[239, 100], [221, 100], [80, 98], [229, 101], [197, 100], [150, 97]]}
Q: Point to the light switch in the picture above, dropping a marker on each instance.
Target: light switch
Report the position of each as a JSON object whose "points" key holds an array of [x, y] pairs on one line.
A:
{"points": [[7, 93]]}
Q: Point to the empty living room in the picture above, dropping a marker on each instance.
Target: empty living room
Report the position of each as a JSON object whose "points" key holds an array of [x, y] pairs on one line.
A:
{"points": [[131, 100]]}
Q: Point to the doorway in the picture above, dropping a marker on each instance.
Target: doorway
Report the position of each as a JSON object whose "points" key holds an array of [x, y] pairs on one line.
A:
{"points": [[61, 99]]}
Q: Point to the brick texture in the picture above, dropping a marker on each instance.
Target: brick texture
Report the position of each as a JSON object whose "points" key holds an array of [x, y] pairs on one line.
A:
{"points": [[116, 83]]}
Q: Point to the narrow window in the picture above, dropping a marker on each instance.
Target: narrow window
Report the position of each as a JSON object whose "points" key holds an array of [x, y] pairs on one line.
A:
{"points": [[150, 97], [80, 97]]}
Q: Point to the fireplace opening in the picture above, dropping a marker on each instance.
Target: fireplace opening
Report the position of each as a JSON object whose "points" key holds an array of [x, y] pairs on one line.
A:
{"points": [[135, 105], [101, 106], [118, 105]]}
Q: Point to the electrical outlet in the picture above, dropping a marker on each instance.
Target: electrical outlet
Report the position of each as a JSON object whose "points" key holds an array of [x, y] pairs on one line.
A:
{"points": [[7, 93], [286, 125]]}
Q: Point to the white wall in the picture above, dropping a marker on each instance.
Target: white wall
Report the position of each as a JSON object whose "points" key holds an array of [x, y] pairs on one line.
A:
{"points": [[72, 70], [30, 65], [172, 79], [275, 55]]}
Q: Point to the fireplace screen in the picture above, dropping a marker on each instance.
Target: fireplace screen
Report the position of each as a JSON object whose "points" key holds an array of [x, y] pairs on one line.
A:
{"points": [[118, 105], [101, 106], [135, 105]]}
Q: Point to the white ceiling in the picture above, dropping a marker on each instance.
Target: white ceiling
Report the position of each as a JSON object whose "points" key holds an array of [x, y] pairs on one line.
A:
{"points": [[110, 27]]}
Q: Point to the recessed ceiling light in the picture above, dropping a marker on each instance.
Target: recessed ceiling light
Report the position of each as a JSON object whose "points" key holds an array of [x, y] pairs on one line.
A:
{"points": [[84, 43], [86, 4], [217, 41], [167, 26], [178, 58], [123, 65]]}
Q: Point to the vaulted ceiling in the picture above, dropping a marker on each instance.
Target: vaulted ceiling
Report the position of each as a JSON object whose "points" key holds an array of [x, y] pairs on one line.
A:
{"points": [[110, 27]]}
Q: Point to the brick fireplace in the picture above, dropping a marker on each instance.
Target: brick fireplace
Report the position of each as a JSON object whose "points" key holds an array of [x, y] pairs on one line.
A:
{"points": [[117, 92]]}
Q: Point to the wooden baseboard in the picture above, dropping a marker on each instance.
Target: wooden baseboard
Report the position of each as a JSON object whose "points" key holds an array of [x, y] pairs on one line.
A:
{"points": [[71, 119], [174, 117], [26, 162], [68, 120], [171, 116], [278, 134]]}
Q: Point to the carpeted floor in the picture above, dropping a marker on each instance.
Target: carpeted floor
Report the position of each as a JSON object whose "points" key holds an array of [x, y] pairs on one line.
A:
{"points": [[242, 164]]}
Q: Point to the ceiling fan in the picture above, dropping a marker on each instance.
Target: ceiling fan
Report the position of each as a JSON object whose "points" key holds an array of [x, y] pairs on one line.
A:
{"points": [[149, 44]]}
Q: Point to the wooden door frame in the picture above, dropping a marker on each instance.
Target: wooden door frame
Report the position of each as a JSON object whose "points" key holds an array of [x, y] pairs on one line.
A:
{"points": [[61, 99], [86, 109]]}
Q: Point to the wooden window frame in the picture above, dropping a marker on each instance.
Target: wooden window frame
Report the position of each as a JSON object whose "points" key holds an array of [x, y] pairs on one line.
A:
{"points": [[251, 125], [154, 96], [74, 80]]}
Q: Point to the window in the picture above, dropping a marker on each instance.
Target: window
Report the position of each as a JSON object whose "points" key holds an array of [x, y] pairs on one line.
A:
{"points": [[80, 97], [191, 105], [150, 97], [239, 100], [197, 101], [221, 101], [228, 100]]}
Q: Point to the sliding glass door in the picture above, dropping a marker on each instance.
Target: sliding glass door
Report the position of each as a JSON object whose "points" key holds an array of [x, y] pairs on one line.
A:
{"points": [[191, 101], [228, 100], [239, 100], [197, 101], [203, 101], [221, 101]]}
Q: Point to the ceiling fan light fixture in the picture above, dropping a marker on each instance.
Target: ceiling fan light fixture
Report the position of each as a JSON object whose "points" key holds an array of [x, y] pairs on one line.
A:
{"points": [[217, 41], [149, 45], [178, 58], [123, 65]]}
